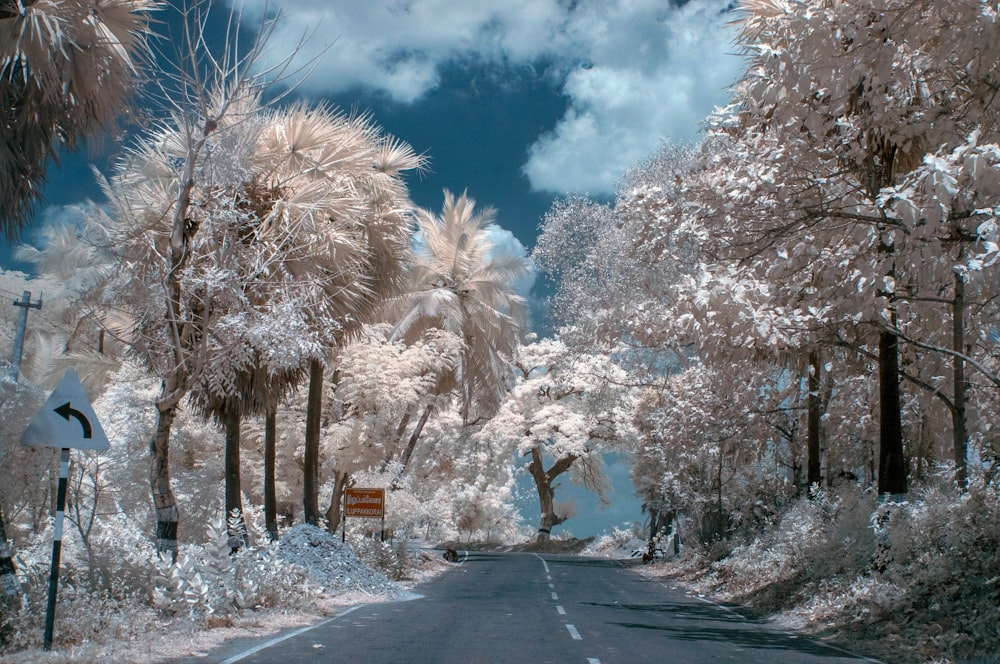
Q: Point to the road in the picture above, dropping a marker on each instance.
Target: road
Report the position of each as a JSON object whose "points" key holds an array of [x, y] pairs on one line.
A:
{"points": [[529, 608]]}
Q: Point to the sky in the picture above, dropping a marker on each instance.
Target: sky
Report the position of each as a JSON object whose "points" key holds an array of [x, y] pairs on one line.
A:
{"points": [[516, 102]]}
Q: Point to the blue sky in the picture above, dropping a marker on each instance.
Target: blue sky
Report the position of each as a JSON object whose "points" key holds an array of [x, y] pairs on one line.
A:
{"points": [[515, 101]]}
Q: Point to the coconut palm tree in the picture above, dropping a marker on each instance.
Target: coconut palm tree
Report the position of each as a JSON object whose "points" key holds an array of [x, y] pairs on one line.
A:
{"points": [[460, 281], [66, 69]]}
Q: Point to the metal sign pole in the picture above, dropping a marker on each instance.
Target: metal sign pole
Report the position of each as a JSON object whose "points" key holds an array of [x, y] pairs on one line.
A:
{"points": [[50, 610]]}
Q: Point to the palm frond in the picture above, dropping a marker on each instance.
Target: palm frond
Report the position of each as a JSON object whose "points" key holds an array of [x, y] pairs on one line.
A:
{"points": [[67, 68]]}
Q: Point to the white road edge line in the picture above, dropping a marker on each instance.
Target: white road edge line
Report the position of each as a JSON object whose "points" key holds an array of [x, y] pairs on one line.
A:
{"points": [[572, 632], [257, 649], [561, 611]]}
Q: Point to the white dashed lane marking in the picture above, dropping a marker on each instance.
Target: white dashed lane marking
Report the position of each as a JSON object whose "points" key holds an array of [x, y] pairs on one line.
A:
{"points": [[562, 611]]}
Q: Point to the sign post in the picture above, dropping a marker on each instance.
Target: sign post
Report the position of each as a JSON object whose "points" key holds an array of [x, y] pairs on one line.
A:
{"points": [[67, 421], [365, 504]]}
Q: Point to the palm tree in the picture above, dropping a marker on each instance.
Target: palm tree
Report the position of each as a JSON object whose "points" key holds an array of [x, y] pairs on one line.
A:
{"points": [[325, 213], [373, 163], [66, 69], [460, 281]]}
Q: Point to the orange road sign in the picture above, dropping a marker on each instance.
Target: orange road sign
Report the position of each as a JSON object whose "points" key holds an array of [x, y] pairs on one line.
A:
{"points": [[369, 503]]}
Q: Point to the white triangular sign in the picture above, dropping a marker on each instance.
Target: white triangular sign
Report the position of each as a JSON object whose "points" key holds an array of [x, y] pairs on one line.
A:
{"points": [[67, 420]]}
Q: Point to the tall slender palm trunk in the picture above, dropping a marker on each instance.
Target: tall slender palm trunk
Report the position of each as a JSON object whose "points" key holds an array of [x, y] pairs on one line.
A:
{"points": [[270, 490], [407, 454], [236, 523], [310, 466]]}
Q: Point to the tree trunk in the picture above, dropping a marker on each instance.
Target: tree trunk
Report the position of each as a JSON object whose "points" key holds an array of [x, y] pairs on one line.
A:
{"points": [[404, 459], [333, 512], [958, 414], [236, 527], [813, 475], [164, 501], [389, 449], [314, 414], [546, 493], [891, 465], [270, 491], [10, 587], [719, 528]]}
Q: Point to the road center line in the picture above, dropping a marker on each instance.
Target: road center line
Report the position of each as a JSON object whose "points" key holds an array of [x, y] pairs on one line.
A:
{"points": [[572, 632], [593, 660], [544, 564], [555, 596], [561, 610]]}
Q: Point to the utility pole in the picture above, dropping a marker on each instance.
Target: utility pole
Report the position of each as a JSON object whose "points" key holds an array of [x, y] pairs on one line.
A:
{"points": [[9, 586], [22, 325]]}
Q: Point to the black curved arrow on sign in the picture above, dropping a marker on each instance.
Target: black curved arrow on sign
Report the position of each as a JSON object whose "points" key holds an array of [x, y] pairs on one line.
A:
{"points": [[67, 409]]}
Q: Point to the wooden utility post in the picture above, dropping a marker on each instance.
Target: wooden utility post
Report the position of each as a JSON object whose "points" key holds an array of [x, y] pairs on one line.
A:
{"points": [[10, 587], [22, 326]]}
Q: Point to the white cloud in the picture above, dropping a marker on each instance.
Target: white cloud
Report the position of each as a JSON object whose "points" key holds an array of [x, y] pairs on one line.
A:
{"points": [[505, 242], [640, 71], [651, 77]]}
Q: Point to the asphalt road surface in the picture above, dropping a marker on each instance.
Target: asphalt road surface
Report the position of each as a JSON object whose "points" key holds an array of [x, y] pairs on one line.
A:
{"points": [[528, 608]]}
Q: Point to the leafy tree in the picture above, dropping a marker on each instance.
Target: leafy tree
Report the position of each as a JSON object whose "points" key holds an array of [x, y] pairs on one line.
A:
{"points": [[838, 134], [562, 408], [162, 196], [379, 380]]}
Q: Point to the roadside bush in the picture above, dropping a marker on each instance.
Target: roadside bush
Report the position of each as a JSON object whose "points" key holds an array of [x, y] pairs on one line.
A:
{"points": [[619, 543], [391, 558], [920, 578], [210, 580], [944, 550]]}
